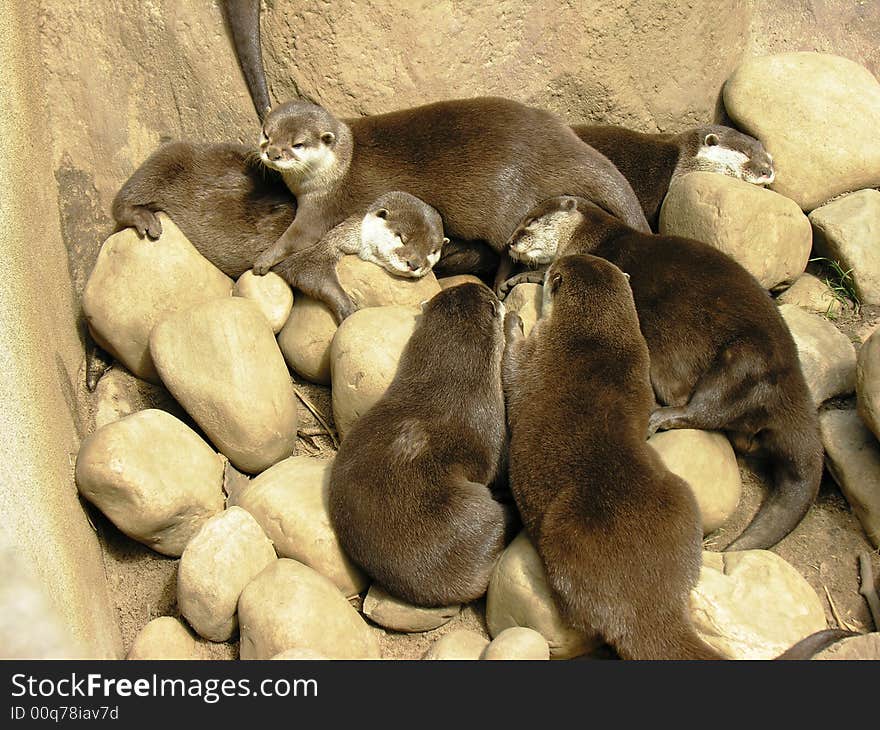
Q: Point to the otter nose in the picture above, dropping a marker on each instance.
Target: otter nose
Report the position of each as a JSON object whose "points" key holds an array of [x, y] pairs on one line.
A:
{"points": [[273, 153], [413, 264]]}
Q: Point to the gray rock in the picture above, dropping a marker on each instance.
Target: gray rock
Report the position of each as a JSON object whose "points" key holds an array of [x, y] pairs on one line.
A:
{"points": [[868, 383], [812, 294], [865, 647], [517, 642], [393, 613]]}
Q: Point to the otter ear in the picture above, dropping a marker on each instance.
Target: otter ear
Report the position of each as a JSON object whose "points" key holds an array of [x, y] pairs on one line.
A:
{"points": [[626, 275], [711, 140], [445, 241], [568, 203], [554, 282], [424, 305], [382, 213], [328, 138]]}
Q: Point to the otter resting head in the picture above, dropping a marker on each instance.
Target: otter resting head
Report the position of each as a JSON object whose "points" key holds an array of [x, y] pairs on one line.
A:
{"points": [[546, 229], [714, 148]]}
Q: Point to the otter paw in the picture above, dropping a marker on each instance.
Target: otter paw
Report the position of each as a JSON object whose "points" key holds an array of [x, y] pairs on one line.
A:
{"points": [[343, 310], [513, 325], [146, 223], [263, 264]]}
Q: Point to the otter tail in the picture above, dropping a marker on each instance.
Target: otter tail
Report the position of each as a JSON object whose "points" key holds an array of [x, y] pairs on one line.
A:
{"points": [[808, 647], [244, 22]]}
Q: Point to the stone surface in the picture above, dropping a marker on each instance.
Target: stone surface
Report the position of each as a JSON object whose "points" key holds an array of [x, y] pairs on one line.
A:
{"points": [[163, 638], [221, 362], [813, 295], [517, 642], [270, 293], [772, 242], [853, 458], [817, 114], [449, 281], [298, 655], [753, 605], [393, 613], [221, 559], [828, 358], [525, 300], [305, 339], [868, 383], [706, 461], [866, 647], [291, 502], [847, 230], [457, 645], [290, 606], [363, 359], [161, 495], [520, 596], [137, 282]]}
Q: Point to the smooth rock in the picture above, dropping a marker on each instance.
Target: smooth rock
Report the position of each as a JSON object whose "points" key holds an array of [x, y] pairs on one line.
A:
{"points": [[460, 644], [853, 459], [525, 300], [135, 283], [813, 295], [449, 281], [847, 230], [270, 293], [772, 242], [298, 655], [753, 605], [163, 638], [291, 606], [520, 596], [370, 285], [817, 114], [161, 495], [221, 362], [392, 613], [291, 502], [363, 359], [868, 383], [828, 358], [706, 461], [863, 647], [517, 642], [220, 560]]}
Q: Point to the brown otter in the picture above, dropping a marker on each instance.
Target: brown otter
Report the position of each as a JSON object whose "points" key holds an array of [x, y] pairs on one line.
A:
{"points": [[482, 163], [244, 22], [650, 161], [410, 486], [722, 357]]}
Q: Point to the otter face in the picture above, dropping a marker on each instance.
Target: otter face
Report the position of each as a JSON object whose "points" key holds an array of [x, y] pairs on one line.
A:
{"points": [[549, 226], [728, 152], [298, 138]]}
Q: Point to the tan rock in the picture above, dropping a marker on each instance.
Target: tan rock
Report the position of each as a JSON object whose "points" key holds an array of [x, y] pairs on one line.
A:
{"points": [[457, 645], [862, 647], [298, 655], [270, 293], [817, 114], [163, 638], [812, 294], [517, 642], [525, 300], [136, 282], [291, 502], [363, 358], [853, 459], [753, 605], [161, 495], [305, 339], [221, 559], [706, 461], [449, 281], [221, 362], [290, 606], [828, 358], [520, 596], [772, 242], [392, 613], [868, 383], [372, 286]]}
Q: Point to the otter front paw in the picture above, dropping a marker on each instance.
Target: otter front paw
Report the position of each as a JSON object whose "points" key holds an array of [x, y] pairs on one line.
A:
{"points": [[513, 325], [343, 309], [264, 262], [145, 222]]}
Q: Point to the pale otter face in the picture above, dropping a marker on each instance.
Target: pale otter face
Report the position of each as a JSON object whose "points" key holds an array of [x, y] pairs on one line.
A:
{"points": [[399, 244], [538, 239], [728, 152], [303, 153]]}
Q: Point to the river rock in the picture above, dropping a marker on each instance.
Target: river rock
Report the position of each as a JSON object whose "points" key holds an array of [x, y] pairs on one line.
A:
{"points": [[772, 242], [811, 294], [221, 362], [752, 604], [853, 458], [520, 596], [305, 339], [270, 293], [706, 461], [817, 114], [449, 281], [291, 606], [160, 495], [363, 358], [136, 282], [864, 647], [392, 613], [525, 300], [291, 502], [827, 357], [847, 230], [163, 638], [517, 642], [298, 655], [868, 383], [219, 561], [459, 644]]}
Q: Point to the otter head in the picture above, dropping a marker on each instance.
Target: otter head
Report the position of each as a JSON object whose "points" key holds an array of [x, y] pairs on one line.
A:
{"points": [[402, 234], [472, 315], [587, 290], [726, 151], [545, 229]]}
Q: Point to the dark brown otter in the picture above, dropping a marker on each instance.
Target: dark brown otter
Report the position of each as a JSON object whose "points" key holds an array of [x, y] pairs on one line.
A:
{"points": [[650, 161], [410, 495], [722, 357]]}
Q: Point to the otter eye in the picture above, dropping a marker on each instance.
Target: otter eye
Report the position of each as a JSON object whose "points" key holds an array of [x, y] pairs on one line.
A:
{"points": [[711, 140], [298, 146]]}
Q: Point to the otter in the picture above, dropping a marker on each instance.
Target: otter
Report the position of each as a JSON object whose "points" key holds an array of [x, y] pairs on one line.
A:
{"points": [[722, 357], [410, 495], [244, 22], [650, 161]]}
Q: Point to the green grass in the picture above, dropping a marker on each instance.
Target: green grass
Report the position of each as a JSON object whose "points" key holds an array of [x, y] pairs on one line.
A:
{"points": [[840, 282]]}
